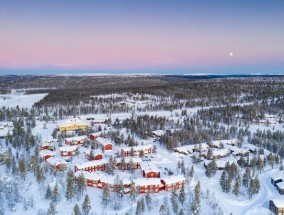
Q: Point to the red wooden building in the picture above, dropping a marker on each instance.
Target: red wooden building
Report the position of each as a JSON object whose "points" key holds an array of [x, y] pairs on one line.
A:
{"points": [[91, 166], [67, 151], [104, 143], [150, 170], [56, 163], [148, 185], [172, 182], [48, 145], [147, 149], [75, 140], [45, 154], [128, 163], [98, 155]]}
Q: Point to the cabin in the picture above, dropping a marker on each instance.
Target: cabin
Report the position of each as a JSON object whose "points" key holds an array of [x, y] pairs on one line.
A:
{"points": [[104, 143], [276, 179], [147, 149], [280, 187], [150, 170], [76, 140], [66, 151], [91, 166], [187, 149], [72, 127], [48, 145], [129, 163], [97, 154], [91, 179], [276, 206], [45, 154], [173, 182], [148, 185], [55, 163]]}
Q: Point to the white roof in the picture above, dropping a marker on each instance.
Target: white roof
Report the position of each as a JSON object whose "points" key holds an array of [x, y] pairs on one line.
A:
{"points": [[147, 181], [103, 141], [173, 179], [127, 160], [250, 147], [89, 175], [277, 177], [78, 138], [158, 132], [220, 152], [185, 149], [149, 167], [279, 203], [91, 163], [88, 151], [280, 185], [138, 148], [225, 142], [55, 160], [46, 152], [68, 148]]}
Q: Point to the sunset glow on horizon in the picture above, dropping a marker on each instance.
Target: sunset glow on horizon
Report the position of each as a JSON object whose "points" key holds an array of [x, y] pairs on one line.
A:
{"points": [[137, 35]]}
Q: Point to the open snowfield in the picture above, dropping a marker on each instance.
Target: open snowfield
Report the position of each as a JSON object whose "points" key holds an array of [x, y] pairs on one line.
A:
{"points": [[19, 99]]}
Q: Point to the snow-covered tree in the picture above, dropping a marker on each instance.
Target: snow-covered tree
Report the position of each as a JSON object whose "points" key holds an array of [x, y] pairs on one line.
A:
{"points": [[86, 206]]}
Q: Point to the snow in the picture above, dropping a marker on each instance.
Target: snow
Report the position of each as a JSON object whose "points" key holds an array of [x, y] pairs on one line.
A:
{"points": [[147, 181], [68, 148], [149, 167], [173, 179], [279, 203], [55, 160], [103, 141], [91, 164]]}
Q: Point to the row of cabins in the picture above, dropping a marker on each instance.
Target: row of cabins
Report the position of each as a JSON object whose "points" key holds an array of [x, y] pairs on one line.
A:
{"points": [[143, 185], [100, 165], [126, 151]]}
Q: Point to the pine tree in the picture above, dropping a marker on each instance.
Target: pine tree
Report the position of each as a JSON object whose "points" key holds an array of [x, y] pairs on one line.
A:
{"points": [[70, 192], [106, 195], [76, 210], [222, 180], [174, 200], [142, 205], [148, 200], [52, 209], [236, 189], [55, 193], [163, 210], [154, 149], [182, 194], [138, 208], [81, 184], [195, 206], [246, 177], [48, 192], [251, 188], [181, 212], [86, 207], [22, 168], [133, 192], [191, 172], [92, 156], [182, 166]]}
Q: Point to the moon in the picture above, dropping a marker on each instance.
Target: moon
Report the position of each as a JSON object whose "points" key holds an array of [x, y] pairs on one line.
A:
{"points": [[231, 54]]}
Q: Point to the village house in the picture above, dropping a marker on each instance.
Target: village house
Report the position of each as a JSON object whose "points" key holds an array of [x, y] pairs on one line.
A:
{"points": [[280, 187], [150, 170], [91, 166], [56, 163], [127, 163], [66, 151], [93, 136], [188, 149], [104, 143], [147, 149], [277, 206], [276, 179], [173, 182], [76, 140], [45, 154], [148, 185], [72, 127], [97, 154], [48, 145]]}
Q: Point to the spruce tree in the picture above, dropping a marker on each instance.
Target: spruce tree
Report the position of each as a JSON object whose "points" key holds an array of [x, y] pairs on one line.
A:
{"points": [[76, 210], [174, 200], [195, 206], [106, 195], [70, 192], [236, 189], [86, 206], [48, 192], [52, 209], [163, 210], [138, 208], [55, 193], [182, 194]]}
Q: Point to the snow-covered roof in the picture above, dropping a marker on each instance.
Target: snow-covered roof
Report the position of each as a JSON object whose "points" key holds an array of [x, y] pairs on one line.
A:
{"points": [[221, 163], [250, 147], [43, 153], [103, 141], [225, 142], [91, 163], [88, 151], [278, 202], [173, 179], [55, 160], [220, 152], [149, 167], [237, 150], [185, 149], [89, 175], [147, 181], [277, 177], [68, 148], [280, 185], [138, 148], [158, 132], [127, 160], [78, 138]]}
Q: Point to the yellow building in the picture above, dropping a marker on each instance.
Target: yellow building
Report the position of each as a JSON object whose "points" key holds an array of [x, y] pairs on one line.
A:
{"points": [[72, 127]]}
